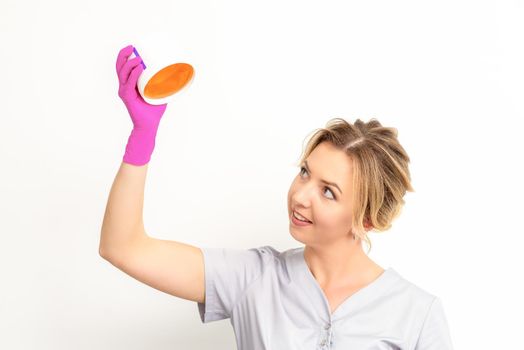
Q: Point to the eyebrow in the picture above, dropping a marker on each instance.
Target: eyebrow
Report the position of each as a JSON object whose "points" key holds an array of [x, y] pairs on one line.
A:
{"points": [[324, 181]]}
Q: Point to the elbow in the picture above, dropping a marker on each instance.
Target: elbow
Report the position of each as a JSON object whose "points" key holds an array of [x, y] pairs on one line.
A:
{"points": [[104, 245], [102, 253]]}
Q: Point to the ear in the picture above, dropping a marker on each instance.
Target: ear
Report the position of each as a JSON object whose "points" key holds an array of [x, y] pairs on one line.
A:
{"points": [[367, 225]]}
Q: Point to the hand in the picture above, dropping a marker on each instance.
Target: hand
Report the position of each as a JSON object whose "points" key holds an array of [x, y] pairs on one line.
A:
{"points": [[145, 117]]}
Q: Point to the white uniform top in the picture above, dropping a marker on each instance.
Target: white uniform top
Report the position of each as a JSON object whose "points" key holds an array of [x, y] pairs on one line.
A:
{"points": [[274, 302]]}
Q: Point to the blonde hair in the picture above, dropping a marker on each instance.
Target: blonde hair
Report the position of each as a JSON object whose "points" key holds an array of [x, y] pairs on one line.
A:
{"points": [[380, 170]]}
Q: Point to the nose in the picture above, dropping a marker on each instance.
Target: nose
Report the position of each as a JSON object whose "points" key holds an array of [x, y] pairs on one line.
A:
{"points": [[302, 196]]}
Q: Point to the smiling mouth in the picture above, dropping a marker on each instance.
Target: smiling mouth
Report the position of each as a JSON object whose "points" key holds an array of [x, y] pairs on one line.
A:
{"points": [[300, 219]]}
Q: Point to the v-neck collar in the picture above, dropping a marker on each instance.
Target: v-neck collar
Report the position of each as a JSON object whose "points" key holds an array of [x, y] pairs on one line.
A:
{"points": [[303, 276]]}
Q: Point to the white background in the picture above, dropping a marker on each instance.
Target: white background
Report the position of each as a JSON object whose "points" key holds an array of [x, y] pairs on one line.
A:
{"points": [[448, 75]]}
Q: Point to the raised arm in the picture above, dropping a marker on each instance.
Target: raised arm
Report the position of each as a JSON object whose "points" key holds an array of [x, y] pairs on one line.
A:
{"points": [[172, 267], [123, 218]]}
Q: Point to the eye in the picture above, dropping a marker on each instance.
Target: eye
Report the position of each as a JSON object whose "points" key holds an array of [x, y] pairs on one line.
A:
{"points": [[302, 169], [327, 188]]}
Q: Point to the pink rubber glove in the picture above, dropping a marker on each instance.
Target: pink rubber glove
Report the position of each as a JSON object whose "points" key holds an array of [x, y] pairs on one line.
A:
{"points": [[145, 117]]}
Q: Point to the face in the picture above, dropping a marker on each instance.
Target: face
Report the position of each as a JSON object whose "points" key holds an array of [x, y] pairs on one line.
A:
{"points": [[327, 207]]}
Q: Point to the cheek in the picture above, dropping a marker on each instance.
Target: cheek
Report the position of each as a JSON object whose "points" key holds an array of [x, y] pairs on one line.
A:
{"points": [[333, 221], [291, 191]]}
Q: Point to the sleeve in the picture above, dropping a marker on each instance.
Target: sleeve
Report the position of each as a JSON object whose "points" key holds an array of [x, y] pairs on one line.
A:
{"points": [[228, 273], [435, 330]]}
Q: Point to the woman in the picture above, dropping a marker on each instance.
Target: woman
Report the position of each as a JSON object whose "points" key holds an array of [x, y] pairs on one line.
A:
{"points": [[326, 295]]}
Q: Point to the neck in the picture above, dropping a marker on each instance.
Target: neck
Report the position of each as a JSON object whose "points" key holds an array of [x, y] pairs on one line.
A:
{"points": [[339, 264]]}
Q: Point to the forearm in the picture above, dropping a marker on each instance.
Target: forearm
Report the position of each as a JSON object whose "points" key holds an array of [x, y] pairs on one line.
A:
{"points": [[123, 218]]}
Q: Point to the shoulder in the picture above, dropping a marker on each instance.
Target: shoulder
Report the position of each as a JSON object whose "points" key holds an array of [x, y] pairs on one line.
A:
{"points": [[422, 310], [270, 255], [413, 288], [412, 295], [257, 258], [281, 262]]}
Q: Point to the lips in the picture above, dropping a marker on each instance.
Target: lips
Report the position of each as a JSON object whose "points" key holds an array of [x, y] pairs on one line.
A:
{"points": [[301, 215]]}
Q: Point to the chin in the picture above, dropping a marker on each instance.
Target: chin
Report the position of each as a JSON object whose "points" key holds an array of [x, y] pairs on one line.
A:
{"points": [[295, 235]]}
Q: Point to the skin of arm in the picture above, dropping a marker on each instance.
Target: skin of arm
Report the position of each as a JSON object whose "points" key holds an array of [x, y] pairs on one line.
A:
{"points": [[123, 219]]}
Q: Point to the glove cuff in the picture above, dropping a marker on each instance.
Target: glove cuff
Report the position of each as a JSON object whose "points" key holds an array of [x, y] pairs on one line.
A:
{"points": [[140, 146]]}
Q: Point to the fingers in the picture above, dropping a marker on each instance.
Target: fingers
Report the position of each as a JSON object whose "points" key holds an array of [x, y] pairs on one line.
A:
{"points": [[122, 57], [124, 65], [135, 74], [124, 74]]}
